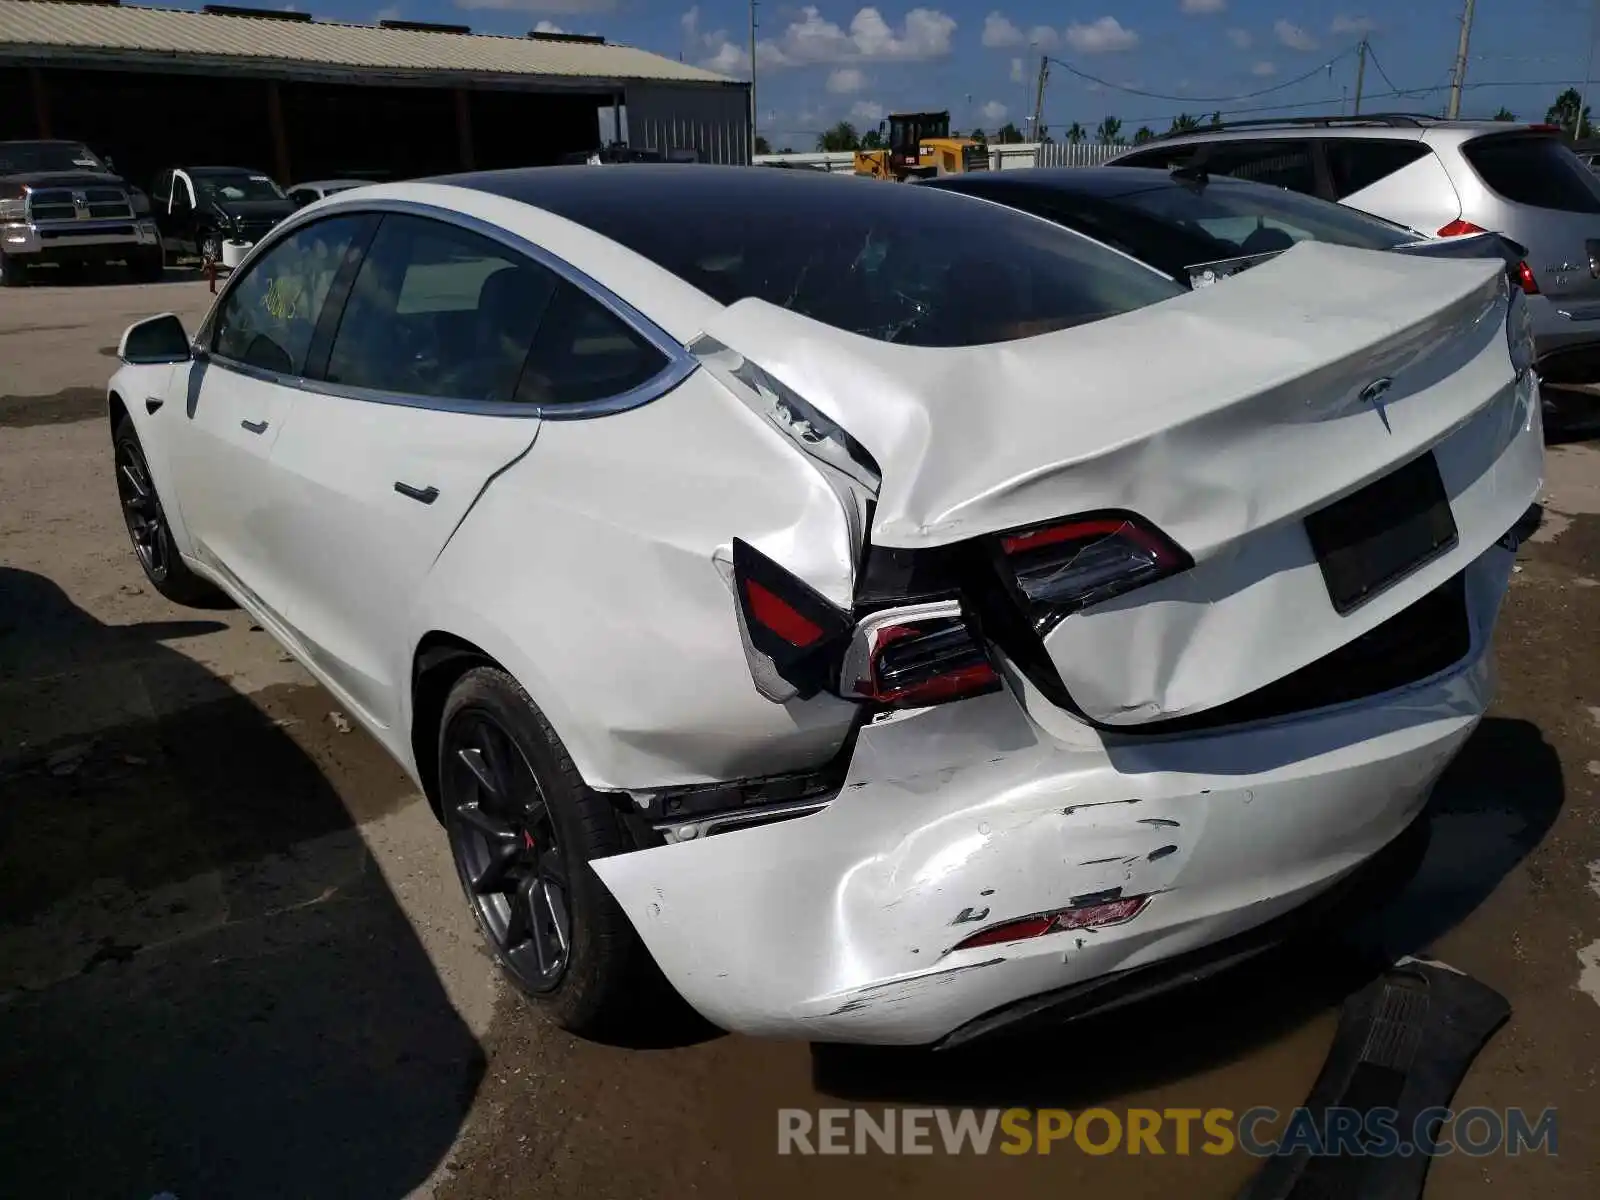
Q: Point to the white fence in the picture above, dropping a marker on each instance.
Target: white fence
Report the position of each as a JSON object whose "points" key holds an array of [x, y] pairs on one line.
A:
{"points": [[1010, 157]]}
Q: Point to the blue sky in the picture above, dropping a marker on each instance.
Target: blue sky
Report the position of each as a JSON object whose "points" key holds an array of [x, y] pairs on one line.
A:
{"points": [[819, 63]]}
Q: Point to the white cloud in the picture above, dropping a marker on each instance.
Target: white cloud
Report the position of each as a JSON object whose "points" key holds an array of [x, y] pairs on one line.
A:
{"points": [[1293, 36], [392, 13], [1263, 69], [1018, 71], [867, 112], [846, 80], [1203, 6], [548, 27], [1344, 24], [924, 34], [1044, 37], [1101, 37], [998, 31], [558, 7], [994, 112], [1240, 38]]}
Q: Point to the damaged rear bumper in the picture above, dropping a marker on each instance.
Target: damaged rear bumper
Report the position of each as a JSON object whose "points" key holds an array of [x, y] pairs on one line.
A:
{"points": [[841, 926]]}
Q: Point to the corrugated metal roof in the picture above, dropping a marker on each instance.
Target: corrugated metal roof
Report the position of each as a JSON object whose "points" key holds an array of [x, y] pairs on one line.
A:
{"points": [[63, 28]]}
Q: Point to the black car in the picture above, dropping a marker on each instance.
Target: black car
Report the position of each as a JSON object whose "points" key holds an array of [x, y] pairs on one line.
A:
{"points": [[1197, 228], [198, 208]]}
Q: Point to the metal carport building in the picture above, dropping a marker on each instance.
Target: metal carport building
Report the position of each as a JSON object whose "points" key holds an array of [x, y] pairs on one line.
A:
{"points": [[308, 99]]}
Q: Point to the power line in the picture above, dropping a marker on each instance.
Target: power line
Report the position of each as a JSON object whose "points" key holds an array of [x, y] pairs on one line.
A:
{"points": [[1267, 91]]}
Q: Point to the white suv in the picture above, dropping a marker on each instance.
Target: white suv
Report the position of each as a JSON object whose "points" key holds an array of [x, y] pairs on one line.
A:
{"points": [[1444, 179]]}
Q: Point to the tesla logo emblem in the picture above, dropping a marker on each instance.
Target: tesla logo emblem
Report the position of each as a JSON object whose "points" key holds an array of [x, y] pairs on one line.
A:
{"points": [[80, 203], [1374, 393]]}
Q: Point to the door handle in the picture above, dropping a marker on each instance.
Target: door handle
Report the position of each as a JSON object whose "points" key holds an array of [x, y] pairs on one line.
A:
{"points": [[427, 495], [254, 426]]}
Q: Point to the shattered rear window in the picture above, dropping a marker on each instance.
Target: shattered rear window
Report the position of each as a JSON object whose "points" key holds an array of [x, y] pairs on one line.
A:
{"points": [[897, 263]]}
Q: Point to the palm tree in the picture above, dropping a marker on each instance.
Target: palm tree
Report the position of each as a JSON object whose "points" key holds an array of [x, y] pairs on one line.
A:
{"points": [[1505, 114], [1144, 134], [1109, 133], [1184, 123], [1564, 112], [1075, 134], [1216, 120]]}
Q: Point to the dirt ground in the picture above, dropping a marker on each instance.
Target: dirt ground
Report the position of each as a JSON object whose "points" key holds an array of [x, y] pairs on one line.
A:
{"points": [[234, 961]]}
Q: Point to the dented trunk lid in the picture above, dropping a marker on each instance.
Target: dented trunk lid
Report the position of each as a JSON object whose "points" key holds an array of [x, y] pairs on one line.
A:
{"points": [[1224, 417]]}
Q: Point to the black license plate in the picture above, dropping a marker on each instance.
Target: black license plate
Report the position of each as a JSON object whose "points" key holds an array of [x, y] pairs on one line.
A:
{"points": [[1375, 537]]}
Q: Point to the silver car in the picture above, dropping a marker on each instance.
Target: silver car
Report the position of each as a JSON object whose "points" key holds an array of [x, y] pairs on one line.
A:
{"points": [[1444, 179]]}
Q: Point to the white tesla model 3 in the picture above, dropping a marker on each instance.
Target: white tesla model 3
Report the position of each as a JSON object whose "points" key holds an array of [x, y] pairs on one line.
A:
{"points": [[885, 614]]}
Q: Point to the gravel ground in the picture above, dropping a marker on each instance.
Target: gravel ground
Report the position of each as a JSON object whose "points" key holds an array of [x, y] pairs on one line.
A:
{"points": [[233, 960]]}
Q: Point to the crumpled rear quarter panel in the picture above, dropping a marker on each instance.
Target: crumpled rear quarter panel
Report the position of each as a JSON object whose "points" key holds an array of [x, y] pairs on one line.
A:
{"points": [[589, 571]]}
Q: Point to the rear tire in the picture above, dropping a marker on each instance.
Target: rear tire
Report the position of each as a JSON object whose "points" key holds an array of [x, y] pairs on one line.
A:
{"points": [[13, 271], [148, 529], [523, 830]]}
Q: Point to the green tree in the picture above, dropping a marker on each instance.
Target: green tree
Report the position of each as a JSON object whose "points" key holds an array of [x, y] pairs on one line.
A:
{"points": [[762, 145], [1505, 114], [787, 150], [1184, 123], [842, 136], [1076, 133], [1008, 134], [980, 137], [1144, 134], [1110, 132], [1564, 112], [873, 140], [1216, 120]]}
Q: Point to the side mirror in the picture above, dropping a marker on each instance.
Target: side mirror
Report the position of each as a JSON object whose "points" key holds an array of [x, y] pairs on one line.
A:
{"points": [[155, 340]]}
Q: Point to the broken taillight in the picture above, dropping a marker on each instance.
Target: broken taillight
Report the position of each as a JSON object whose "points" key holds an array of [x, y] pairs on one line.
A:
{"points": [[1070, 564], [1081, 916], [1522, 273], [793, 635], [916, 656]]}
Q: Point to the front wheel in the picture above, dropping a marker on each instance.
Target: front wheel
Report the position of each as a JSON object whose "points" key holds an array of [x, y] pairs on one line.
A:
{"points": [[13, 271], [523, 830], [148, 529]]}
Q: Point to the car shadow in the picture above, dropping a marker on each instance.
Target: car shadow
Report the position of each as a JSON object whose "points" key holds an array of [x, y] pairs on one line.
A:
{"points": [[1491, 807], [206, 985], [106, 274]]}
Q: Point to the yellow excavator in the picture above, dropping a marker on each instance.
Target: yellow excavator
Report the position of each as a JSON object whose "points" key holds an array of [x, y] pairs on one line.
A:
{"points": [[920, 146]]}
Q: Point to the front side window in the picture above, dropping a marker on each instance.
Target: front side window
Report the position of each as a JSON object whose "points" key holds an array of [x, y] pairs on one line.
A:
{"points": [[440, 312], [268, 317]]}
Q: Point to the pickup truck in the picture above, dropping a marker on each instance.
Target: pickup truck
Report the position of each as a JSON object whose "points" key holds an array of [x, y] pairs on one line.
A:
{"points": [[61, 203]]}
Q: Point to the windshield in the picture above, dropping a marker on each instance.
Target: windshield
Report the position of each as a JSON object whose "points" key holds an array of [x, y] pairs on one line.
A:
{"points": [[242, 186], [901, 264], [1242, 219], [21, 157]]}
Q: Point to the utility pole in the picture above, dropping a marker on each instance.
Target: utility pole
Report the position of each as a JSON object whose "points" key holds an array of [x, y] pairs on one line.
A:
{"points": [[1361, 73], [1588, 70], [1459, 74], [1038, 98], [752, 80]]}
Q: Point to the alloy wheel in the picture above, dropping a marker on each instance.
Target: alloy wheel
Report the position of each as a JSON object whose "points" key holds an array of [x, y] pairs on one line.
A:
{"points": [[141, 509], [506, 848]]}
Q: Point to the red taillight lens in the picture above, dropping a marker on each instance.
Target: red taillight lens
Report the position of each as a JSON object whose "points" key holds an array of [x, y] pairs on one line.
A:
{"points": [[1079, 561], [1084, 916], [1460, 228], [1523, 274], [911, 658], [793, 636]]}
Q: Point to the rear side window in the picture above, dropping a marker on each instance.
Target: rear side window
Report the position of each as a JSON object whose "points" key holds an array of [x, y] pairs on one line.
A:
{"points": [[1535, 170], [440, 312], [1356, 163], [1282, 164], [1256, 220], [583, 351]]}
